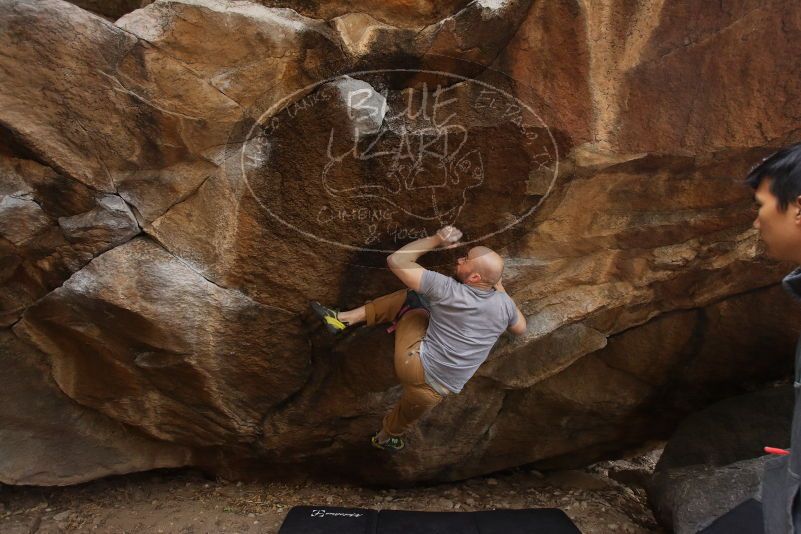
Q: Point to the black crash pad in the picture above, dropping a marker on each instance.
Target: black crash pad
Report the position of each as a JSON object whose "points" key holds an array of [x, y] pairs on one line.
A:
{"points": [[333, 520]]}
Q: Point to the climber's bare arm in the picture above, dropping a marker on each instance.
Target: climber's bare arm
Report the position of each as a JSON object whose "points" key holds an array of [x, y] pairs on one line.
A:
{"points": [[519, 328], [403, 262]]}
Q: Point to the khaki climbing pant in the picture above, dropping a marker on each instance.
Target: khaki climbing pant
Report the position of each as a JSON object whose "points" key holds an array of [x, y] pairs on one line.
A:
{"points": [[418, 397]]}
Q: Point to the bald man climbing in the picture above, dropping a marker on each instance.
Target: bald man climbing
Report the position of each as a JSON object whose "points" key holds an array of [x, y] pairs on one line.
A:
{"points": [[444, 327]]}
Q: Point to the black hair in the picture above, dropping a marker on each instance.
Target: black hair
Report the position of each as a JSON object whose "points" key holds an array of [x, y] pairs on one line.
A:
{"points": [[784, 169]]}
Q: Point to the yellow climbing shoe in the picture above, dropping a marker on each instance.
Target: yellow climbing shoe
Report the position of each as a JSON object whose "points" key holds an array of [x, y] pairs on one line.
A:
{"points": [[329, 318], [393, 444]]}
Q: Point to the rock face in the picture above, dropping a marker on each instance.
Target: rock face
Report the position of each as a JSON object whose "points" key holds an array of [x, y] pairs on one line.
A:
{"points": [[732, 430], [179, 178], [51, 440], [715, 459], [152, 361], [697, 495]]}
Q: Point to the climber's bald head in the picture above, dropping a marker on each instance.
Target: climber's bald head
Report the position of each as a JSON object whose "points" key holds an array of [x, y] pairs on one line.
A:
{"points": [[482, 266]]}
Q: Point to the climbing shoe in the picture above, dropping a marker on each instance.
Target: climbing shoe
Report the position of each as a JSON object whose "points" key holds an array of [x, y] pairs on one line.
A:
{"points": [[394, 443], [329, 317]]}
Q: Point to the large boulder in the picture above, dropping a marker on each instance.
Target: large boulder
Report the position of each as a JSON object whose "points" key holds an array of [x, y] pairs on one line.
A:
{"points": [[50, 227], [714, 460], [697, 495], [176, 185], [732, 430], [143, 338], [48, 439]]}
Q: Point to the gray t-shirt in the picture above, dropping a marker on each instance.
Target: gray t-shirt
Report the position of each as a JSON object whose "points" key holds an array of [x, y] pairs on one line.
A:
{"points": [[464, 324]]}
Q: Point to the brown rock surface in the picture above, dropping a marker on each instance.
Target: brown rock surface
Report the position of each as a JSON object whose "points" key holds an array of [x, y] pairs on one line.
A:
{"points": [[50, 227], [48, 439], [111, 9], [602, 155], [143, 338]]}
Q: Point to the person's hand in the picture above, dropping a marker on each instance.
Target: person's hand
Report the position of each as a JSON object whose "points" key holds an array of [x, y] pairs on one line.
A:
{"points": [[449, 236], [499, 286]]}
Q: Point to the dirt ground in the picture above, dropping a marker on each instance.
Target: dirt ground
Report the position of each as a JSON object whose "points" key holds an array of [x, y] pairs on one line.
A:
{"points": [[602, 498]]}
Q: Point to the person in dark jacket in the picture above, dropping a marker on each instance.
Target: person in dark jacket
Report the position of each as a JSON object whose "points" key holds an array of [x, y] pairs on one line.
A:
{"points": [[777, 182], [777, 185]]}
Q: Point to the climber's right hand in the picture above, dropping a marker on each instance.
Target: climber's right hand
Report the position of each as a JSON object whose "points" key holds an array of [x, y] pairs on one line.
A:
{"points": [[449, 236]]}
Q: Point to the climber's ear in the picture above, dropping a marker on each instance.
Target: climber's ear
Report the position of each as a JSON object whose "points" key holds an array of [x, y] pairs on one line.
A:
{"points": [[796, 207]]}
